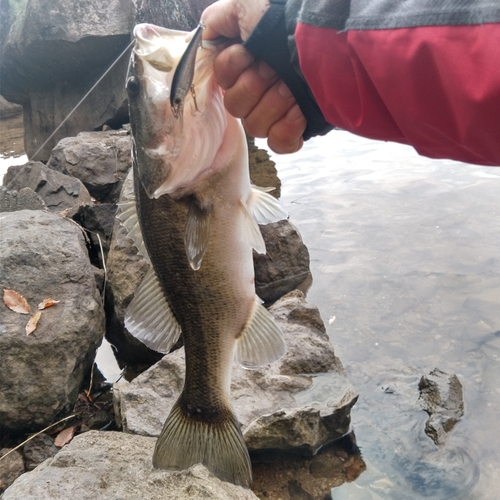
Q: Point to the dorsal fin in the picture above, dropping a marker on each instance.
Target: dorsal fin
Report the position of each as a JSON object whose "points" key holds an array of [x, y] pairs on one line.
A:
{"points": [[197, 234], [261, 342], [264, 207], [127, 214], [149, 317], [251, 231]]}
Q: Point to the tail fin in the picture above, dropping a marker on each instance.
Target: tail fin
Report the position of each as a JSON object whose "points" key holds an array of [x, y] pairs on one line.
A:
{"points": [[217, 444]]}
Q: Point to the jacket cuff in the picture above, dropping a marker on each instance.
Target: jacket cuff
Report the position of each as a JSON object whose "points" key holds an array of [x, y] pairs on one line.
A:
{"points": [[269, 42]]}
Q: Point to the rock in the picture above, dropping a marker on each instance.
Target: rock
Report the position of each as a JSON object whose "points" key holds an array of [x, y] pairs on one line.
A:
{"points": [[100, 465], [44, 255], [441, 395], [11, 467], [8, 109], [99, 221], [53, 53], [101, 160], [38, 449], [180, 15], [142, 406], [24, 199], [282, 475], [285, 266], [58, 191], [263, 171], [126, 269]]}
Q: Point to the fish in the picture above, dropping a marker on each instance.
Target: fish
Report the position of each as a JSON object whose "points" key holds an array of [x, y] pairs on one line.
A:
{"points": [[195, 218]]}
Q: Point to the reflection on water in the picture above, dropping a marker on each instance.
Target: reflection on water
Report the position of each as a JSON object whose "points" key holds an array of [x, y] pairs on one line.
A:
{"points": [[405, 257]]}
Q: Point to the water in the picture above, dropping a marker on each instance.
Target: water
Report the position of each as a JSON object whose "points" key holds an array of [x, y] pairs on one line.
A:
{"points": [[405, 255]]}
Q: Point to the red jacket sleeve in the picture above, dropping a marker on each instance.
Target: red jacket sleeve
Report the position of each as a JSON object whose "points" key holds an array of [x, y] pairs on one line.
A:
{"points": [[436, 88]]}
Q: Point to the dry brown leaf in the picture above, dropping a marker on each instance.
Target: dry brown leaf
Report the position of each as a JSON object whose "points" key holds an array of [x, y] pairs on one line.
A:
{"points": [[47, 303], [15, 302], [31, 326], [64, 437]]}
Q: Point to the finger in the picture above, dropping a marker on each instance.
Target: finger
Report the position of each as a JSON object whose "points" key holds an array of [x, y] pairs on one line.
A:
{"points": [[285, 136], [220, 19], [230, 64], [273, 106], [242, 97]]}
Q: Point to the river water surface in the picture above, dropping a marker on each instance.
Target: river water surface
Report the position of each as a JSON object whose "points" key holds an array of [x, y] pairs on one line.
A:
{"points": [[405, 257]]}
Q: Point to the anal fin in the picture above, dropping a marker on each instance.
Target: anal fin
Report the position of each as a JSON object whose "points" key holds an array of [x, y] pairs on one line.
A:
{"points": [[261, 342]]}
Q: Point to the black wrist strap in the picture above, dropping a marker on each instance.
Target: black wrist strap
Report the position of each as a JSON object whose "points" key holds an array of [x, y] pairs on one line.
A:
{"points": [[269, 42]]}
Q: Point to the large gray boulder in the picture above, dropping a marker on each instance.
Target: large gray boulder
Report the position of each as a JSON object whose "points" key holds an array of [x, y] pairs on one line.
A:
{"points": [[57, 190], [114, 465], [266, 401], [101, 160], [44, 256], [52, 54]]}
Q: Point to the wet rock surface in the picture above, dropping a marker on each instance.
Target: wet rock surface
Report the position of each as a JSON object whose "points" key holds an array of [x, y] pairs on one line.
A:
{"points": [[117, 465], [44, 256], [101, 160], [441, 395], [57, 190], [263, 399]]}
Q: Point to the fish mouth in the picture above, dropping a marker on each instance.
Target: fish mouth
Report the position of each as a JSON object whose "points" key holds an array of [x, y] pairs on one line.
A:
{"points": [[151, 45]]}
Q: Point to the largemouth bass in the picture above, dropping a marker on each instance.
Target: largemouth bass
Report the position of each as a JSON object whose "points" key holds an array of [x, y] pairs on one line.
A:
{"points": [[195, 217]]}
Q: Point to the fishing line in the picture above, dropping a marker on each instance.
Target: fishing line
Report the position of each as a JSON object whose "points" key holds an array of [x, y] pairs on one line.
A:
{"points": [[82, 99]]}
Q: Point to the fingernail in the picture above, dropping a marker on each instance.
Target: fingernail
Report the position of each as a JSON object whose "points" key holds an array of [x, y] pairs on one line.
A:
{"points": [[240, 60], [266, 71], [294, 113], [284, 90]]}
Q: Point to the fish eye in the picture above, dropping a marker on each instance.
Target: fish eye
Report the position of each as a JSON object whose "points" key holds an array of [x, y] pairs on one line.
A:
{"points": [[133, 86]]}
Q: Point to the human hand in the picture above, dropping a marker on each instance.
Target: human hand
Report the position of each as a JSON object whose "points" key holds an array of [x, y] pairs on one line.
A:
{"points": [[253, 90]]}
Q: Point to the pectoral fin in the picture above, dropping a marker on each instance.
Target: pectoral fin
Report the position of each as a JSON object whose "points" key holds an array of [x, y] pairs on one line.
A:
{"points": [[197, 234], [264, 207], [261, 342], [149, 317], [127, 214]]}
